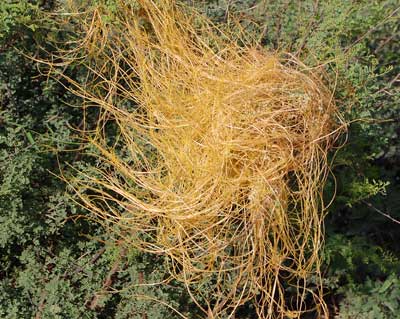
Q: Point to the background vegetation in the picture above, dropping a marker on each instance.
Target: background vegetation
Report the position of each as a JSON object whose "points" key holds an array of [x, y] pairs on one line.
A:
{"points": [[54, 264]]}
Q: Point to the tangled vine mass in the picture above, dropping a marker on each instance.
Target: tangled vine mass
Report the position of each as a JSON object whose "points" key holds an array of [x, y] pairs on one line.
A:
{"points": [[221, 154]]}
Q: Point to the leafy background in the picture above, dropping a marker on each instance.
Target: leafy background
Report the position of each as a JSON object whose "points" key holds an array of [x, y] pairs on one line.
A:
{"points": [[55, 264]]}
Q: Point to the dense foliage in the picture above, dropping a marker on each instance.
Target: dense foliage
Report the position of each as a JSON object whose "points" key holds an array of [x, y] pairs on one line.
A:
{"points": [[54, 264]]}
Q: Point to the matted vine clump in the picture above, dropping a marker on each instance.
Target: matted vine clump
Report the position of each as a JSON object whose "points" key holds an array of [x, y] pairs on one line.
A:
{"points": [[220, 159]]}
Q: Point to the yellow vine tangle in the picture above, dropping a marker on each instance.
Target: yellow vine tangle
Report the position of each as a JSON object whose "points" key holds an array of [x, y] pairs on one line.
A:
{"points": [[223, 156]]}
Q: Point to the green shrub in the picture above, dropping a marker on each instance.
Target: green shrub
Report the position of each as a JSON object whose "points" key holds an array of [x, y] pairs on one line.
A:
{"points": [[372, 300], [54, 264]]}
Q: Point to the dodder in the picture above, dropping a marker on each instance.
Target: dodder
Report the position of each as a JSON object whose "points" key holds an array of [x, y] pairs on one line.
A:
{"points": [[223, 158]]}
